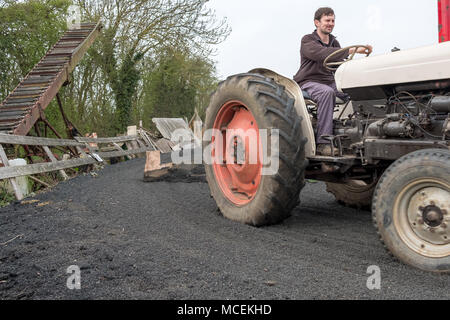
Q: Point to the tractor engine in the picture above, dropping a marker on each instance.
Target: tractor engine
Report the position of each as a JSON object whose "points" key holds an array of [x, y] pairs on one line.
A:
{"points": [[400, 96], [406, 114]]}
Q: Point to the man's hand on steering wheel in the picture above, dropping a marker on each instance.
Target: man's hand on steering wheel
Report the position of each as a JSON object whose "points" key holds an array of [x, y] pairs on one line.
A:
{"points": [[361, 50], [353, 50]]}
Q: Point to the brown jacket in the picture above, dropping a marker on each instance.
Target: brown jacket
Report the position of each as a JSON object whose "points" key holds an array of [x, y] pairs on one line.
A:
{"points": [[313, 53]]}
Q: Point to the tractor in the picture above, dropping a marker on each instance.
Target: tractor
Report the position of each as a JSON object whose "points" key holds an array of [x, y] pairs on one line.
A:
{"points": [[391, 148]]}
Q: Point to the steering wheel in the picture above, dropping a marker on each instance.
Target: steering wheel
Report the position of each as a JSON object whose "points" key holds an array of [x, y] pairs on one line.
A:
{"points": [[333, 66]]}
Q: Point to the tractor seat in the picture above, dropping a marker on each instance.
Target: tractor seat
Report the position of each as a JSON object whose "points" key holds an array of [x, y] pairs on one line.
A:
{"points": [[308, 97]]}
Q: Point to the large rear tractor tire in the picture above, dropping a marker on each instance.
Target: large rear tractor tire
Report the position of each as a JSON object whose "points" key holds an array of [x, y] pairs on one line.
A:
{"points": [[411, 209], [249, 103], [354, 193]]}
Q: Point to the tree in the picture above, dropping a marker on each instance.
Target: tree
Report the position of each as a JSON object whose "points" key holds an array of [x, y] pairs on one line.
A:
{"points": [[27, 30], [136, 29], [107, 89], [179, 83]]}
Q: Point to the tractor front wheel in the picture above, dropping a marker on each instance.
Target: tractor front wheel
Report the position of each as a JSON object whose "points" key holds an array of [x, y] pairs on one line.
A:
{"points": [[411, 209]]}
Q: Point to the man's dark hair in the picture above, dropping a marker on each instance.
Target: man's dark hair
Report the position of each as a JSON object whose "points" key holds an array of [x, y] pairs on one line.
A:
{"points": [[323, 12]]}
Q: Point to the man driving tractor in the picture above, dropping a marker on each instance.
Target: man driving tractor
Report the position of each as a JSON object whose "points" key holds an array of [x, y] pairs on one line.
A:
{"points": [[316, 80], [393, 153]]}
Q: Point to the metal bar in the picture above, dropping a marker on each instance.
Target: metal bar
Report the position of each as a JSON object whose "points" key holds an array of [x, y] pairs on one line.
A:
{"points": [[9, 124], [17, 104], [13, 113], [11, 118], [390, 149], [27, 94], [50, 126], [36, 128], [40, 89], [444, 20], [66, 121], [22, 100]]}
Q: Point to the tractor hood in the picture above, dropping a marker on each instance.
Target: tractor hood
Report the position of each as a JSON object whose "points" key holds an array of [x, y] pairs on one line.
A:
{"points": [[401, 67]]}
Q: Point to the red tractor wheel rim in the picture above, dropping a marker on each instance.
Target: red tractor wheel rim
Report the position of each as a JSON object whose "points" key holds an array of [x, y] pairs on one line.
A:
{"points": [[236, 153]]}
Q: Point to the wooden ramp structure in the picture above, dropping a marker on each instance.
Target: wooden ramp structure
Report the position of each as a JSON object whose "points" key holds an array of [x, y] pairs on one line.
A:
{"points": [[26, 103]]}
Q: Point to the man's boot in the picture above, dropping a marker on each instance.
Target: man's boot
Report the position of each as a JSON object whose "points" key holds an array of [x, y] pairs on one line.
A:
{"points": [[324, 149]]}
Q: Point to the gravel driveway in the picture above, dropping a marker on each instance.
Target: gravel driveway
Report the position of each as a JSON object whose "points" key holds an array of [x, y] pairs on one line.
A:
{"points": [[136, 240]]}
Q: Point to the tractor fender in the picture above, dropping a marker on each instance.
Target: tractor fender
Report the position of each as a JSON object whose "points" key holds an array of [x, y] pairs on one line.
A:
{"points": [[294, 89]]}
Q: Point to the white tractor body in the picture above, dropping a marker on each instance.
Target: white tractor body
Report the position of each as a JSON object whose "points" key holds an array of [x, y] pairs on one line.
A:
{"points": [[400, 67]]}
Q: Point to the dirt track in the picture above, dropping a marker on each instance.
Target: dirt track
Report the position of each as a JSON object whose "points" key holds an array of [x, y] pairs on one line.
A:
{"points": [[136, 240]]}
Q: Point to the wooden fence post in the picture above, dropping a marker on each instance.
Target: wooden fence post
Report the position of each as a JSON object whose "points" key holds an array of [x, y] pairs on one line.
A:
{"points": [[13, 181], [53, 159]]}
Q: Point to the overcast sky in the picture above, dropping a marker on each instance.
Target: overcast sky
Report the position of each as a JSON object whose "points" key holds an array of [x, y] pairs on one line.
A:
{"points": [[267, 33]]}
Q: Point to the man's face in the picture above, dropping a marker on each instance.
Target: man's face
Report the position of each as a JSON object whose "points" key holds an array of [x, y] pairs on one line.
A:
{"points": [[326, 24]]}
